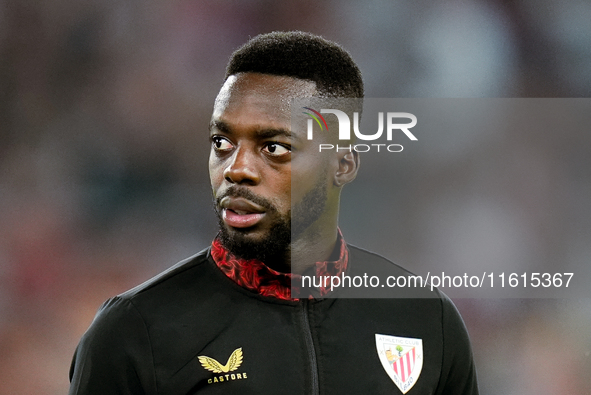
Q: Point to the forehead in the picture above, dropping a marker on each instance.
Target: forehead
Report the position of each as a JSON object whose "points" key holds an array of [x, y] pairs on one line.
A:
{"points": [[247, 98]]}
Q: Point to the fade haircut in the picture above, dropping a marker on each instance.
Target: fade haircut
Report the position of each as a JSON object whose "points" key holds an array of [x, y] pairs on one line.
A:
{"points": [[300, 55]]}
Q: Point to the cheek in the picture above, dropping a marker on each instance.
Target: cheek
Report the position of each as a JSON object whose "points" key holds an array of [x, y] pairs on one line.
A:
{"points": [[279, 191], [301, 186], [216, 173], [308, 173]]}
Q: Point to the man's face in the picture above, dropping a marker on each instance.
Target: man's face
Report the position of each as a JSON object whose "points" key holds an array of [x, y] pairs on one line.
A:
{"points": [[250, 165]]}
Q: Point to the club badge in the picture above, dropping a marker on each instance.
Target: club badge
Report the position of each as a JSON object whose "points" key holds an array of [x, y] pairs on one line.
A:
{"points": [[402, 358]]}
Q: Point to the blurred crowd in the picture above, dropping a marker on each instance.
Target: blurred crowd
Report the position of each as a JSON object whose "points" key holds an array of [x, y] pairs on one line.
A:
{"points": [[104, 107]]}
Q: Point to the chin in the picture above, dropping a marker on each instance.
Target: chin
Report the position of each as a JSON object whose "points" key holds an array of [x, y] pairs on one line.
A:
{"points": [[249, 243], [252, 234]]}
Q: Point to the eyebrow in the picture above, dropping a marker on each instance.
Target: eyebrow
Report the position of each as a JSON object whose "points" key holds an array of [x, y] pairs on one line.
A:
{"points": [[262, 133]]}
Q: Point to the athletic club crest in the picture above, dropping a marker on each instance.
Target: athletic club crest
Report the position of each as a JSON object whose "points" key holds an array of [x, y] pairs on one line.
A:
{"points": [[402, 358]]}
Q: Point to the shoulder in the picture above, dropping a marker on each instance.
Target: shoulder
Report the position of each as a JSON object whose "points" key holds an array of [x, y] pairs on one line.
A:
{"points": [[119, 338], [129, 314], [125, 306], [360, 257], [172, 276], [458, 372], [116, 342], [183, 287], [383, 278]]}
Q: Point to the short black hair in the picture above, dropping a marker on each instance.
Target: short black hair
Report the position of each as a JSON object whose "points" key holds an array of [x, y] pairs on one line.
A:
{"points": [[300, 55]]}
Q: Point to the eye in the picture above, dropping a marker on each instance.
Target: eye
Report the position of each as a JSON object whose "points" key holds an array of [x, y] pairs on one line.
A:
{"points": [[221, 143], [276, 149]]}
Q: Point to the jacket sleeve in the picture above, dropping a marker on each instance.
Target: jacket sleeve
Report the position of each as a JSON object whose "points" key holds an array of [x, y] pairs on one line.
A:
{"points": [[114, 355], [458, 373]]}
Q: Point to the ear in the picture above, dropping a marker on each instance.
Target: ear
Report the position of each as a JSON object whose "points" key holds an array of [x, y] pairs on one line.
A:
{"points": [[348, 167]]}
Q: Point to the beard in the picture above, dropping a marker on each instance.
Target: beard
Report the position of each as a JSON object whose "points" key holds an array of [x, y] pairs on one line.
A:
{"points": [[274, 247]]}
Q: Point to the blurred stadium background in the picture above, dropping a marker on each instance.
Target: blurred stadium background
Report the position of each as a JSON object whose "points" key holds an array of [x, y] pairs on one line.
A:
{"points": [[104, 108]]}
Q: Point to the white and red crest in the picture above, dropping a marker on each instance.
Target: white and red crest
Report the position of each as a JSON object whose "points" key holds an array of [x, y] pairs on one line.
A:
{"points": [[402, 358]]}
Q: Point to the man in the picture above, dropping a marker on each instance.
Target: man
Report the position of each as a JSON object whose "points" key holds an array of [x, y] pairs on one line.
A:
{"points": [[225, 320]]}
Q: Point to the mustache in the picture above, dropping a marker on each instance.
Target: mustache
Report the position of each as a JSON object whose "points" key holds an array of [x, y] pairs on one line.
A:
{"points": [[236, 191]]}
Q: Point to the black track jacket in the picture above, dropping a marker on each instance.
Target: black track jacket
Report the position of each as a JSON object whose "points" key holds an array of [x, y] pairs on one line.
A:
{"points": [[192, 330]]}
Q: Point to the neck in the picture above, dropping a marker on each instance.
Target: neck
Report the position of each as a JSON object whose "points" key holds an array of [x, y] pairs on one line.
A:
{"points": [[316, 244], [304, 253]]}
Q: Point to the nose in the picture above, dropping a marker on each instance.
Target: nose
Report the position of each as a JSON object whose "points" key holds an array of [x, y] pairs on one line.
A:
{"points": [[242, 168]]}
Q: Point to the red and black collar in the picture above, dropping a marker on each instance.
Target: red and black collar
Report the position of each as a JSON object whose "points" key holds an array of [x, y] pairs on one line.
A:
{"points": [[255, 276]]}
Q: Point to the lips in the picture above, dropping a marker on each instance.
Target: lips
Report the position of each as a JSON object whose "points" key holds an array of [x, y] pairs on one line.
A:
{"points": [[240, 212]]}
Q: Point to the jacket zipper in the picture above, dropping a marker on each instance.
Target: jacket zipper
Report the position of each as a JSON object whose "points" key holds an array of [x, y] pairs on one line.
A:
{"points": [[310, 346]]}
